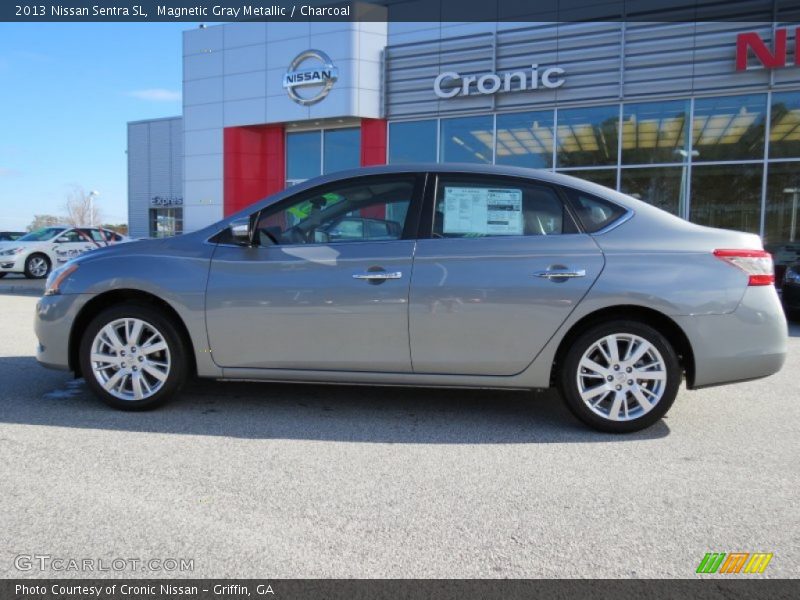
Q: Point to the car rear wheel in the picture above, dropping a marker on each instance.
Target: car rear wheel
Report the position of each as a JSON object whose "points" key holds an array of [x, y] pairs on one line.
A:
{"points": [[132, 357], [37, 266], [620, 376]]}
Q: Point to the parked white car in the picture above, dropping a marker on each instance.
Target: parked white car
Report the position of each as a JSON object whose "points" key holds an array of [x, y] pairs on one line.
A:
{"points": [[39, 252]]}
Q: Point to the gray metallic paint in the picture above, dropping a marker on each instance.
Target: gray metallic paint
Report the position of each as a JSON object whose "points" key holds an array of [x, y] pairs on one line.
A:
{"points": [[654, 260]]}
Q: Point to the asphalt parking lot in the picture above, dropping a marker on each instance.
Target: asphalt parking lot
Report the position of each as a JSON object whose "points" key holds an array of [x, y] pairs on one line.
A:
{"points": [[265, 480]]}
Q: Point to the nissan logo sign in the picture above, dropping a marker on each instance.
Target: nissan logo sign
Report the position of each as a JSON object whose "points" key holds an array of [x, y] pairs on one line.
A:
{"points": [[319, 77]]}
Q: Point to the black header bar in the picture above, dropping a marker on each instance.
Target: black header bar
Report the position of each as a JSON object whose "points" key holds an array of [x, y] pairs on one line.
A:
{"points": [[786, 11]]}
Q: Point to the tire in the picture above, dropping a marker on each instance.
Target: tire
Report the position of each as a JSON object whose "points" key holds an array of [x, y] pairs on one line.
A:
{"points": [[655, 377], [130, 361], [34, 265]]}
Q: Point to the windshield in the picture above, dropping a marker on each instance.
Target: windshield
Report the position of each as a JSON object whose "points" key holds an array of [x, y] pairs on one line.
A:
{"points": [[40, 235]]}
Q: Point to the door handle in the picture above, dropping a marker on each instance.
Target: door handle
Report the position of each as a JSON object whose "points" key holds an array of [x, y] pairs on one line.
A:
{"points": [[378, 275], [561, 274]]}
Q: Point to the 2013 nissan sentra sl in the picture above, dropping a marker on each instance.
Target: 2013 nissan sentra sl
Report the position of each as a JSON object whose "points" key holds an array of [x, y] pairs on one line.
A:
{"points": [[427, 275]]}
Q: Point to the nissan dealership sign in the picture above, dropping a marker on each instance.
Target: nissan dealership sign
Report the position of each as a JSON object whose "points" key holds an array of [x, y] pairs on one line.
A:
{"points": [[312, 70], [452, 84]]}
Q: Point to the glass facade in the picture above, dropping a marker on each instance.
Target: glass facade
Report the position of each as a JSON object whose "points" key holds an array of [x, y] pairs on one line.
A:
{"points": [[727, 196], [303, 155], [412, 141], [725, 161], [467, 140], [165, 222], [313, 153], [659, 186], [588, 137], [655, 132], [341, 149], [782, 218], [525, 139]]}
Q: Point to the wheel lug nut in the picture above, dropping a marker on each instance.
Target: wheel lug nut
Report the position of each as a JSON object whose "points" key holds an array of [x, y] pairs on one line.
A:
{"points": [[610, 378], [619, 387], [628, 370], [630, 381], [141, 358], [124, 365], [616, 367]]}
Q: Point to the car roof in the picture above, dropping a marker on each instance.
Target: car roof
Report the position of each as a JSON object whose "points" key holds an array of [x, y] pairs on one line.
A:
{"points": [[472, 169]]}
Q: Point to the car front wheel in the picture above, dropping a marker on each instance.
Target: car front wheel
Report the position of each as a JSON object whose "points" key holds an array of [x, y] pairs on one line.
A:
{"points": [[132, 357], [37, 266], [620, 376]]}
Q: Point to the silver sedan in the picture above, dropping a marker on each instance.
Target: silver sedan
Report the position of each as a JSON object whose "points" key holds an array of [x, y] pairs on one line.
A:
{"points": [[430, 275]]}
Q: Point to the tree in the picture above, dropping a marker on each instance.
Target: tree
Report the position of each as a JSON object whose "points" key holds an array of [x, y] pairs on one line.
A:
{"points": [[79, 209], [40, 221]]}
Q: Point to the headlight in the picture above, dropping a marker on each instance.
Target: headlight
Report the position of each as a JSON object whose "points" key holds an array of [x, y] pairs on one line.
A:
{"points": [[11, 251], [57, 277], [791, 276]]}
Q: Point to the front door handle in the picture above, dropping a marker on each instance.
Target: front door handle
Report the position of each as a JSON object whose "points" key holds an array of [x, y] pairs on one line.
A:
{"points": [[378, 275], [561, 273]]}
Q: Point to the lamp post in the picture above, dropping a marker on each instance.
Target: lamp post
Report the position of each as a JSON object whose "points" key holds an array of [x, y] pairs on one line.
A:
{"points": [[795, 192], [92, 196], [684, 154]]}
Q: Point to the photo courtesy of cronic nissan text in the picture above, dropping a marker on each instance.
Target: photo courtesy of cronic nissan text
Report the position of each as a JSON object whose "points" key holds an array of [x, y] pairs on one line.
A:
{"points": [[399, 299]]}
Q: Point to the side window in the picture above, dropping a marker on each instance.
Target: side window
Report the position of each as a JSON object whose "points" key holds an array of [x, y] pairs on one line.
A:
{"points": [[72, 235], [481, 207], [97, 235], [594, 213], [355, 211]]}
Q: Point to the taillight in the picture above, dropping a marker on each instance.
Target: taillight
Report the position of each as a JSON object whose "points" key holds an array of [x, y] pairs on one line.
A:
{"points": [[756, 263]]}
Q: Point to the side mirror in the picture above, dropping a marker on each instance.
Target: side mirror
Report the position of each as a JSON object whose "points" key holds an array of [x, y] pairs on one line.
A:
{"points": [[240, 231]]}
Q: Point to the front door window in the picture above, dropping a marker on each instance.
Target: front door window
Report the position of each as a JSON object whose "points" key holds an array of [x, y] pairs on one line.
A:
{"points": [[348, 212]]}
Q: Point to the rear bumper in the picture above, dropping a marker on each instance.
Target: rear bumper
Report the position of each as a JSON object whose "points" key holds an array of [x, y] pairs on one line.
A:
{"points": [[748, 343]]}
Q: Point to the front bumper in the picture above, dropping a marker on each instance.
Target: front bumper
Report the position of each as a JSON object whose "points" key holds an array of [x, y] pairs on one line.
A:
{"points": [[53, 325], [12, 264], [749, 343]]}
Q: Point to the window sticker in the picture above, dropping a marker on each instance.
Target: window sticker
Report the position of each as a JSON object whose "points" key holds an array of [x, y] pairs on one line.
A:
{"points": [[482, 211]]}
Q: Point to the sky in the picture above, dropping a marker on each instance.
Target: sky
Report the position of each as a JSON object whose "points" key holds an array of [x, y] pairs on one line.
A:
{"points": [[67, 92]]}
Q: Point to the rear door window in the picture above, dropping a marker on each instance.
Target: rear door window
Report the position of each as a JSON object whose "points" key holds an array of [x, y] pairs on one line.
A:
{"points": [[475, 206]]}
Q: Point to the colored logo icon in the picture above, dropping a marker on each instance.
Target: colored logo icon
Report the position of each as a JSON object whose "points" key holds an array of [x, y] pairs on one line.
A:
{"points": [[733, 563]]}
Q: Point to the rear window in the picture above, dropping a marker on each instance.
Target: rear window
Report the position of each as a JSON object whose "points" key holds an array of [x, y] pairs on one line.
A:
{"points": [[594, 213]]}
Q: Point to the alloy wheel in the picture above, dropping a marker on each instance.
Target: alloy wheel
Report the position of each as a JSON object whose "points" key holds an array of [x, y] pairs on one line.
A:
{"points": [[37, 266], [621, 377], [130, 359]]}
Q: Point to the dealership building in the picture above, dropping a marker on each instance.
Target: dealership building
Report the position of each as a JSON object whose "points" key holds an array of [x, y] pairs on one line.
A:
{"points": [[699, 118]]}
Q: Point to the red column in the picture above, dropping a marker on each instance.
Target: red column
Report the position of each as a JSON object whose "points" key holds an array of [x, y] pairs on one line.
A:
{"points": [[253, 163], [373, 142]]}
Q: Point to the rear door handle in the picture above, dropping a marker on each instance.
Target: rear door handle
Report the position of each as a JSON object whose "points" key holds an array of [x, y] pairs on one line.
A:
{"points": [[561, 273], [378, 275]]}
